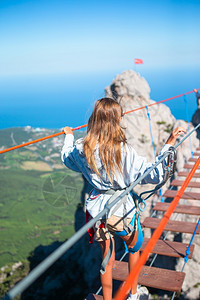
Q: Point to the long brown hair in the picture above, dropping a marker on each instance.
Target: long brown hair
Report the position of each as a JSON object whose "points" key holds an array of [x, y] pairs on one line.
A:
{"points": [[104, 130]]}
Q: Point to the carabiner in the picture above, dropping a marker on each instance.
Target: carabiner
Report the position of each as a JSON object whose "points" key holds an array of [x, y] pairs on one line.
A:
{"points": [[142, 205]]}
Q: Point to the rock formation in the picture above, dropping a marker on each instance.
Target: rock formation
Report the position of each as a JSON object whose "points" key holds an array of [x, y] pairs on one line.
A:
{"points": [[132, 91]]}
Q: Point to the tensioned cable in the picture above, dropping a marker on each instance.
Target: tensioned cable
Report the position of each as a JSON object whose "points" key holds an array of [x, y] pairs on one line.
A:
{"points": [[187, 117], [85, 125], [162, 101], [121, 294], [41, 139], [52, 258], [153, 145]]}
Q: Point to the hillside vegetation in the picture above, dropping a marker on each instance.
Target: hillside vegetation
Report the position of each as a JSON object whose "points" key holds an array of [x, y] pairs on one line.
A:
{"points": [[39, 195]]}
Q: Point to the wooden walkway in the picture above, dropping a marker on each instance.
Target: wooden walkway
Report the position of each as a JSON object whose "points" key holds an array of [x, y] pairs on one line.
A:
{"points": [[159, 278]]}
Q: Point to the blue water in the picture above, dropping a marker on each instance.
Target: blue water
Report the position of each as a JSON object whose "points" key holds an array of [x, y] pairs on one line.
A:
{"points": [[57, 101]]}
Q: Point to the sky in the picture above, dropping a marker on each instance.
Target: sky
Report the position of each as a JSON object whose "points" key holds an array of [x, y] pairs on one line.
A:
{"points": [[68, 51], [56, 37]]}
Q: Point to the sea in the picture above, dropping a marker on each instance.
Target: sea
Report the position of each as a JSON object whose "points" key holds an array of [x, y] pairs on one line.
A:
{"points": [[55, 101]]}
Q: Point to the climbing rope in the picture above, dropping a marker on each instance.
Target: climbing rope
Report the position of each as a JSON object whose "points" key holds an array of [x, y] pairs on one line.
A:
{"points": [[152, 140], [85, 125], [41, 139], [189, 246], [187, 117], [169, 169], [162, 101], [153, 145]]}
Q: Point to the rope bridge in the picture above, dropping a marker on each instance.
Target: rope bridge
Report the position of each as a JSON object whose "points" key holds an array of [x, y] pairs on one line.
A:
{"points": [[121, 294]]}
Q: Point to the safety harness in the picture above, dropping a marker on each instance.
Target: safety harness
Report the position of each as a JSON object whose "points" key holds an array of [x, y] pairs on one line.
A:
{"points": [[169, 167]]}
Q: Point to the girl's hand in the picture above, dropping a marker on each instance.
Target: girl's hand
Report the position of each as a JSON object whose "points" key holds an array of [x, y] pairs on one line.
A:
{"points": [[174, 135], [67, 130]]}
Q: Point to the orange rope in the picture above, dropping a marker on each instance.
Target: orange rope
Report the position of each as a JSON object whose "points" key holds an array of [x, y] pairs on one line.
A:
{"points": [[168, 99], [126, 286], [39, 140], [79, 127]]}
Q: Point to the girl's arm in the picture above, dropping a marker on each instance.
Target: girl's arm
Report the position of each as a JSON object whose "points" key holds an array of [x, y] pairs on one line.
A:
{"points": [[174, 135], [68, 152], [140, 164]]}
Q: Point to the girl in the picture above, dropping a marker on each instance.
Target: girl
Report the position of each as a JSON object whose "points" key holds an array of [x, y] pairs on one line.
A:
{"points": [[108, 163]]}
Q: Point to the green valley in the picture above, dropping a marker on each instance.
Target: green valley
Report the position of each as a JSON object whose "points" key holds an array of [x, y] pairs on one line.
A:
{"points": [[38, 194]]}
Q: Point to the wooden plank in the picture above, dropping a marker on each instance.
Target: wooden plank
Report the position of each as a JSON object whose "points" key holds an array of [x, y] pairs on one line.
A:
{"points": [[185, 174], [186, 195], [193, 159], [177, 182], [174, 226], [168, 248], [152, 277], [181, 209], [189, 166], [196, 153]]}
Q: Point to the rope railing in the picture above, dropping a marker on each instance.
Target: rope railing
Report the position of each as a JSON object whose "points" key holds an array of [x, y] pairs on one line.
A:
{"points": [[187, 118], [52, 258], [39, 140], [121, 294], [162, 101], [153, 144], [85, 125]]}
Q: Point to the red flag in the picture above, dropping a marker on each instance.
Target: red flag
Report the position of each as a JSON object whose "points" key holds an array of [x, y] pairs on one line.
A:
{"points": [[138, 61]]}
